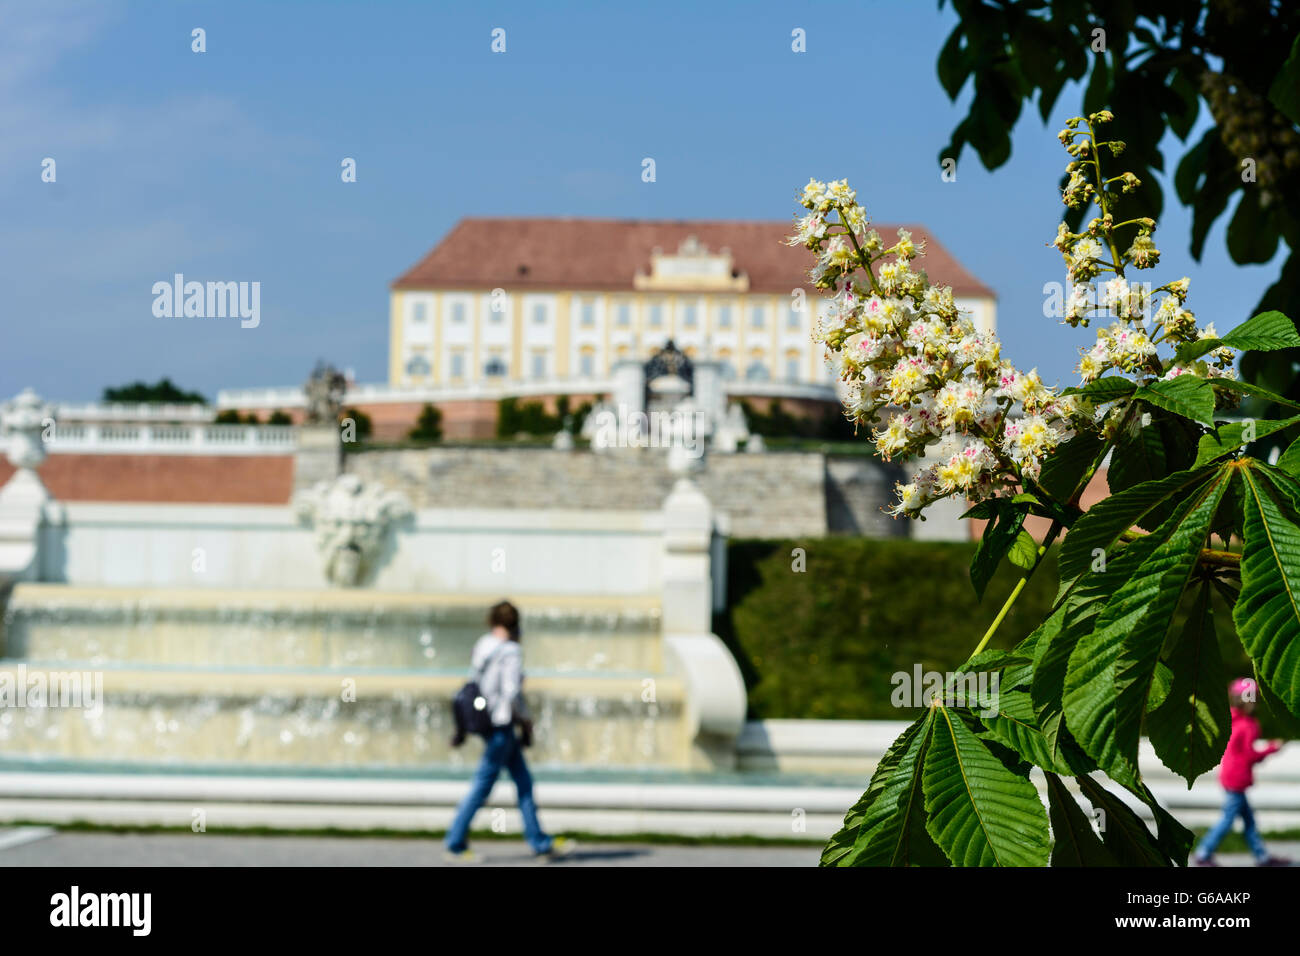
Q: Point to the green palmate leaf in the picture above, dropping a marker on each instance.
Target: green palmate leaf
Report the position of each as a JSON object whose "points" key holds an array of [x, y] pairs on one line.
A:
{"points": [[1257, 391], [1286, 722], [1078, 606], [1290, 460], [1100, 529], [1189, 730], [1065, 469], [995, 659], [1092, 568], [1249, 237], [1073, 617], [1024, 552], [1105, 389], [1108, 682], [1162, 679], [1267, 613], [1014, 724], [979, 812], [1147, 452], [1228, 438], [1122, 831], [1173, 839], [1186, 395], [1075, 842], [887, 827], [1266, 332], [1285, 91], [1006, 517]]}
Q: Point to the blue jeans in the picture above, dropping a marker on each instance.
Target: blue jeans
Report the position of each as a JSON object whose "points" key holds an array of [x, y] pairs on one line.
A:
{"points": [[503, 752], [1236, 806]]}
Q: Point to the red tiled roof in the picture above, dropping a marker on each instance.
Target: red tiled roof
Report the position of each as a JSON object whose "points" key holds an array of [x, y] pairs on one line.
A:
{"points": [[605, 254]]}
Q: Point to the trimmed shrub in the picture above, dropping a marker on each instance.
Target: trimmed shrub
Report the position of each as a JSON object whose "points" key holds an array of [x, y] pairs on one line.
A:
{"points": [[823, 643]]}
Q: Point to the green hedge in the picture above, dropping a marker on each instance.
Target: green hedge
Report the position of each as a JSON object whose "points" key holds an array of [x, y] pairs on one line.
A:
{"points": [[823, 643]]}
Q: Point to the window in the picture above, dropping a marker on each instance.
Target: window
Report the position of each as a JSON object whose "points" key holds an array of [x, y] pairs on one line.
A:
{"points": [[727, 370], [539, 365], [458, 312], [496, 309], [792, 368], [419, 313], [724, 317], [656, 316], [588, 314], [756, 317], [495, 367], [793, 320], [689, 319], [624, 314], [539, 314], [417, 365], [457, 364], [757, 371], [587, 365]]}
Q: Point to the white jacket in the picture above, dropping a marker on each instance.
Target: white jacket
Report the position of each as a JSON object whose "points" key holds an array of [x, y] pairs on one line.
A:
{"points": [[501, 681]]}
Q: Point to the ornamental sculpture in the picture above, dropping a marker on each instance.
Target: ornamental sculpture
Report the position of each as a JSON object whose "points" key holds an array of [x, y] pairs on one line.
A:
{"points": [[23, 419], [352, 520], [324, 393]]}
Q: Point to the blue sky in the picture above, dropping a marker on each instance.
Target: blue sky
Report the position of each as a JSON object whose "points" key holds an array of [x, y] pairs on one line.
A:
{"points": [[225, 165]]}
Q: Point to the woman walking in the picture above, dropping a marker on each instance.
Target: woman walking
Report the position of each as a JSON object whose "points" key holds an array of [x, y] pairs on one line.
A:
{"points": [[497, 665]]}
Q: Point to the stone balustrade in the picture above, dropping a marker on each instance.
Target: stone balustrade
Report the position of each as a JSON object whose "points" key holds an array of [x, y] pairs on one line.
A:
{"points": [[125, 438]]}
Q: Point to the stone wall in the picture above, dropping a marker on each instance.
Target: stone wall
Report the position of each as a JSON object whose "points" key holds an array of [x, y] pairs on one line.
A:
{"points": [[772, 495], [210, 479]]}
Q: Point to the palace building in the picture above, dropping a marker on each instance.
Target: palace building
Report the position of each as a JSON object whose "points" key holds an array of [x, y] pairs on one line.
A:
{"points": [[536, 308], [565, 299]]}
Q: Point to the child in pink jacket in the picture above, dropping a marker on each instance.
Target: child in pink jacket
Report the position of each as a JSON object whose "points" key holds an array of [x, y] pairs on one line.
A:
{"points": [[1236, 773]]}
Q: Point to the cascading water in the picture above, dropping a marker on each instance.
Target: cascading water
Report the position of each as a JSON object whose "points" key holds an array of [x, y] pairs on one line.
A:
{"points": [[341, 680]]}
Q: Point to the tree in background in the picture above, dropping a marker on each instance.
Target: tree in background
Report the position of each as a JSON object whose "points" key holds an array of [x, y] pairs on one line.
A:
{"points": [[530, 418], [163, 392], [776, 422], [428, 427], [279, 418], [231, 416], [1153, 69]]}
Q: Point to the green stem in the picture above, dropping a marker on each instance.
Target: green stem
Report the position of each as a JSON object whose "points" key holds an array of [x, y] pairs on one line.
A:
{"points": [[1101, 198], [1015, 592], [862, 256]]}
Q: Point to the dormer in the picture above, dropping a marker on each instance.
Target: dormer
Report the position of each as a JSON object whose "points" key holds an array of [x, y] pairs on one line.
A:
{"points": [[692, 269]]}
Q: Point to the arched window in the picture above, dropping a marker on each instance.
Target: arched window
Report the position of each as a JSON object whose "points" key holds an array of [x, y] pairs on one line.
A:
{"points": [[757, 371], [793, 366], [417, 365], [494, 367]]}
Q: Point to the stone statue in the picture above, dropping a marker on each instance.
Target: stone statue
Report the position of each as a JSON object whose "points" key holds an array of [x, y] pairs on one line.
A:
{"points": [[23, 498], [352, 520], [325, 390], [23, 419]]}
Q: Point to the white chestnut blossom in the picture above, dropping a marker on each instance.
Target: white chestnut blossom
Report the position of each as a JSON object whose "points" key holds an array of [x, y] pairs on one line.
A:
{"points": [[917, 370]]}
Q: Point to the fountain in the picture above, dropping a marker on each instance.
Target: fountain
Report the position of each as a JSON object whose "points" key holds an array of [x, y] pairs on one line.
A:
{"points": [[329, 635]]}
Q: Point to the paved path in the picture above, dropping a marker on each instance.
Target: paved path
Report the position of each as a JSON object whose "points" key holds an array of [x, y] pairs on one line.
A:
{"points": [[42, 846], [39, 846]]}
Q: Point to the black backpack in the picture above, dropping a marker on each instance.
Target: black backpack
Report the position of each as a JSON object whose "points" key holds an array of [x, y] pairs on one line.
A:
{"points": [[469, 707]]}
